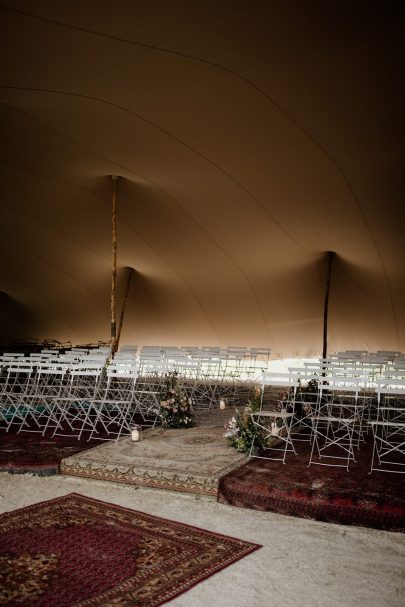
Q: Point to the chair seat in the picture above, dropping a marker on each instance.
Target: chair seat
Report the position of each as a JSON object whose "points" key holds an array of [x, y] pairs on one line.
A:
{"points": [[330, 418], [391, 424], [332, 440], [278, 414]]}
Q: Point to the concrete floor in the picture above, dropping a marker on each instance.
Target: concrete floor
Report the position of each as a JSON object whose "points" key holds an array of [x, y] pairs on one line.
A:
{"points": [[302, 562]]}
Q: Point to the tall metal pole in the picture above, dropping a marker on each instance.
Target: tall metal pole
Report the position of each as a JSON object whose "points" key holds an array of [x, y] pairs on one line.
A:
{"points": [[115, 179], [130, 272], [330, 255]]}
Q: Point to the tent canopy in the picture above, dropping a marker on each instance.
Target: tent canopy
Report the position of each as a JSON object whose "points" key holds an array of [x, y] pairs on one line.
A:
{"points": [[251, 138]]}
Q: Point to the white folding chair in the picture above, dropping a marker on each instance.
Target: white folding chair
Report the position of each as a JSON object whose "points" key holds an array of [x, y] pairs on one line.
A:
{"points": [[337, 423], [114, 407], [48, 388], [275, 424], [306, 404], [75, 411], [16, 390]]}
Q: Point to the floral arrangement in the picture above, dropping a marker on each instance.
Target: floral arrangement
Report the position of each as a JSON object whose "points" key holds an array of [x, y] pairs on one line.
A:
{"points": [[176, 409], [240, 431], [285, 401], [307, 394]]}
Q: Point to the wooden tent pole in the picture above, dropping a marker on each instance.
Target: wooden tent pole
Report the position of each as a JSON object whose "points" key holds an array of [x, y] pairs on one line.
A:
{"points": [[130, 272], [330, 255], [115, 179]]}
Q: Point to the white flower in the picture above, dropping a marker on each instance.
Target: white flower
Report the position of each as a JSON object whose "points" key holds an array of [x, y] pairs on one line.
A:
{"points": [[231, 433]]}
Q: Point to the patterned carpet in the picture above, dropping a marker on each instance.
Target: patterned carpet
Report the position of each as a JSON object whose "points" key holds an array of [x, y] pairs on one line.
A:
{"points": [[190, 460], [322, 493], [76, 550], [32, 452], [197, 460]]}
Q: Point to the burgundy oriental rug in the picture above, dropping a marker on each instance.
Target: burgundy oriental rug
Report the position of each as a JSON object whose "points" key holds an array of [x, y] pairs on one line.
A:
{"points": [[32, 452], [75, 550], [323, 493]]}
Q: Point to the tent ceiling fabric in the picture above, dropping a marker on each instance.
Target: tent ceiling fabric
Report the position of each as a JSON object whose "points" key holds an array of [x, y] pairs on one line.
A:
{"points": [[252, 138]]}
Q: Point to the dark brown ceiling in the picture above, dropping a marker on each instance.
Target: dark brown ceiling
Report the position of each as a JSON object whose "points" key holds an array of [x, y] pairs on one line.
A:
{"points": [[252, 138]]}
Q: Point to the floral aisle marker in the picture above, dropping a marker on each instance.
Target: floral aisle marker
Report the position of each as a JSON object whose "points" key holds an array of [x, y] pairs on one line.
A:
{"points": [[176, 409], [240, 431]]}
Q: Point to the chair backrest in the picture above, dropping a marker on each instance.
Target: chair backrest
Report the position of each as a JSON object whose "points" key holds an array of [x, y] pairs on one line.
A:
{"points": [[340, 384], [273, 378], [396, 391], [129, 373], [390, 384], [86, 369], [21, 367]]}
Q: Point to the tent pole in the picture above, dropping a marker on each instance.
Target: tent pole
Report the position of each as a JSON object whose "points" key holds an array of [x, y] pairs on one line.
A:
{"points": [[130, 272], [330, 255], [115, 179]]}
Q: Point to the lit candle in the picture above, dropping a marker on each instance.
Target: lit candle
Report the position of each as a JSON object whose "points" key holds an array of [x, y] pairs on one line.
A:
{"points": [[222, 404], [135, 436]]}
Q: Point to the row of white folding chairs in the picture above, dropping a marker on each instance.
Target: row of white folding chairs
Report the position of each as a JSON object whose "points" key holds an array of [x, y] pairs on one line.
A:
{"points": [[199, 386], [208, 373], [342, 421], [388, 428], [360, 355], [218, 360], [331, 418], [228, 373], [70, 395], [125, 382], [123, 397], [7, 358], [337, 420], [325, 380], [44, 355], [156, 362], [330, 382], [197, 375], [370, 373], [117, 399]]}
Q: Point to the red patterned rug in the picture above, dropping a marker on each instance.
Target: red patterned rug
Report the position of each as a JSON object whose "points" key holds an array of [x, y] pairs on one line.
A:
{"points": [[32, 452], [322, 493], [75, 550]]}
